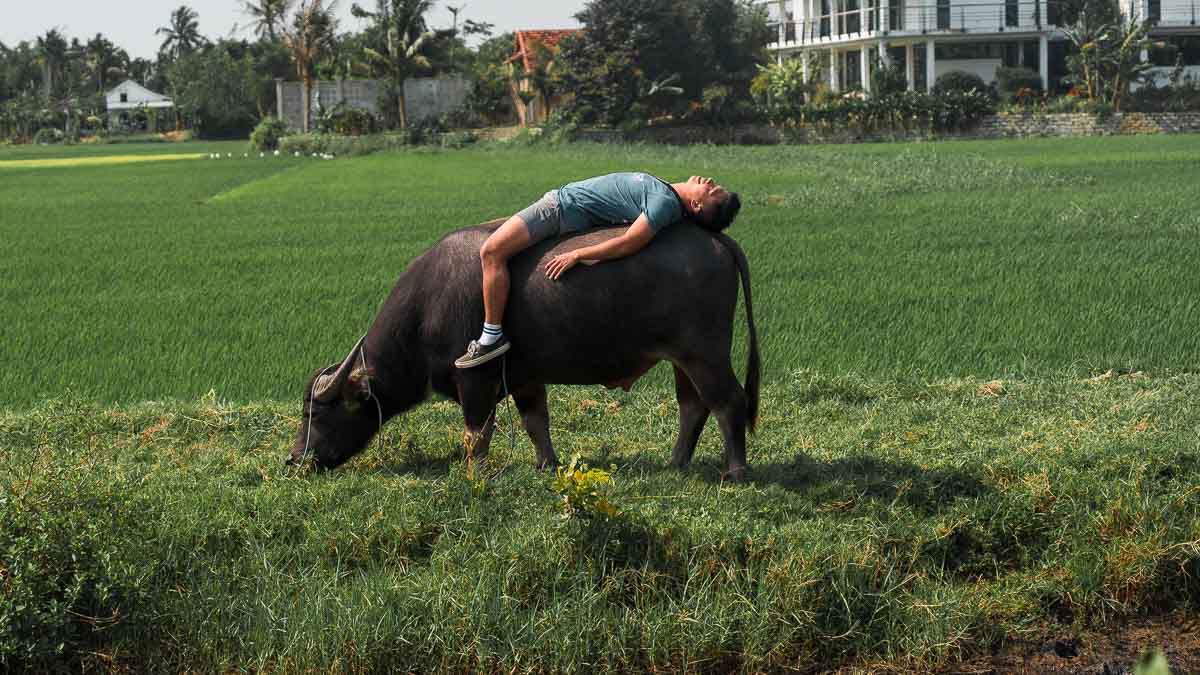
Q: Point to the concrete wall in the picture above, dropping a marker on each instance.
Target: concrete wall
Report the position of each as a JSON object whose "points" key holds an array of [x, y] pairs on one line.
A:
{"points": [[433, 96], [424, 97]]}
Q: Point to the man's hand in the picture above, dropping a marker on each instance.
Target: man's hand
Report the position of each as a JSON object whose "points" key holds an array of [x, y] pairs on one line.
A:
{"points": [[561, 263]]}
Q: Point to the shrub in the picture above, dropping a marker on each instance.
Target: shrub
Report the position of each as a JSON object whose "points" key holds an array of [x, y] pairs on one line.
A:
{"points": [[888, 80], [462, 117], [944, 112], [1065, 104], [268, 133], [47, 136], [1009, 81], [560, 127], [458, 139], [1180, 96], [64, 579], [959, 81], [307, 144], [780, 89], [346, 120]]}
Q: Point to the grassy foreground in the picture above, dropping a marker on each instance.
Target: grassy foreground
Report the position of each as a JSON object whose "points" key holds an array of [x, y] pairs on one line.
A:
{"points": [[900, 521]]}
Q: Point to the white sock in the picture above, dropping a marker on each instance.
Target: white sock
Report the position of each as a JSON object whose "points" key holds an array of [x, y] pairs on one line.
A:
{"points": [[491, 334]]}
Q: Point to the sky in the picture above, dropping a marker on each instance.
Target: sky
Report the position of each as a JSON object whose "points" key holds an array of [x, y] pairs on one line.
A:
{"points": [[130, 24]]}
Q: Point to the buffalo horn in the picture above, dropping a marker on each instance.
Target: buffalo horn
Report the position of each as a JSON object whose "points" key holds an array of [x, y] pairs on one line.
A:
{"points": [[327, 386]]}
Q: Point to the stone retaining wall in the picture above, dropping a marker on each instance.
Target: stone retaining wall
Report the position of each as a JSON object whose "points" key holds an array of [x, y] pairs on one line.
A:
{"points": [[1002, 125]]}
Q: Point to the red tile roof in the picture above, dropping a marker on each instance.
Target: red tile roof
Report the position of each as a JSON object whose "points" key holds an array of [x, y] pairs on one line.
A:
{"points": [[527, 38]]}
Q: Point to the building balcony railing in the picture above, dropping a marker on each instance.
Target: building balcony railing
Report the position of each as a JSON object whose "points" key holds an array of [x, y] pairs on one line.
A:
{"points": [[947, 17]]}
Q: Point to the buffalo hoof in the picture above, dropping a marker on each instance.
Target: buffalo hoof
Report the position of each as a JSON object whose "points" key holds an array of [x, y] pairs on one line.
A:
{"points": [[548, 465], [737, 474]]}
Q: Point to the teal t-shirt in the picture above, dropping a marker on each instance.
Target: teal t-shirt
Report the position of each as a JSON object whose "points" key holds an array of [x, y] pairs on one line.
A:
{"points": [[618, 198]]}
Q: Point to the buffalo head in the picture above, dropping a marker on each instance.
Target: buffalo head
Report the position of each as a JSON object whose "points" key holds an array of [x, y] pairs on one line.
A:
{"points": [[339, 417]]}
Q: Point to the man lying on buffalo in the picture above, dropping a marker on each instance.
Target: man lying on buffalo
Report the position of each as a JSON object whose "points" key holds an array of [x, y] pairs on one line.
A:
{"points": [[646, 203]]}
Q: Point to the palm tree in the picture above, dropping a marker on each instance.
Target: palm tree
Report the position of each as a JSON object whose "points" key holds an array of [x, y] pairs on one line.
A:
{"points": [[311, 36], [183, 35], [52, 54], [403, 24], [140, 70], [270, 16], [103, 59]]}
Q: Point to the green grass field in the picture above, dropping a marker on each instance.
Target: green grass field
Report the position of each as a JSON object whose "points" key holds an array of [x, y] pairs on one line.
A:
{"points": [[170, 279], [938, 468]]}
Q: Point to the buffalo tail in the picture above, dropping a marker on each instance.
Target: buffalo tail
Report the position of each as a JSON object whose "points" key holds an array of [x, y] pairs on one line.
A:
{"points": [[753, 363]]}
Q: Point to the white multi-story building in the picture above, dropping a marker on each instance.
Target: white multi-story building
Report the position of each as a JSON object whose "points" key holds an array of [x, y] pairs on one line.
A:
{"points": [[845, 39]]}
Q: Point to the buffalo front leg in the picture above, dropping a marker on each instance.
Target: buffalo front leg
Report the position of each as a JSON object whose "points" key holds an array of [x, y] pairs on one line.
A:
{"points": [[535, 415], [692, 416], [478, 399], [723, 394]]}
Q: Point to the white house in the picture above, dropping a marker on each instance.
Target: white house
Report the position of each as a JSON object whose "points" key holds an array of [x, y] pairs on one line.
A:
{"points": [[129, 97], [844, 39]]}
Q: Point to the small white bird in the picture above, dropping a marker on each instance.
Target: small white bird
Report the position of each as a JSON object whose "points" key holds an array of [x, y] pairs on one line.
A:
{"points": [[276, 153]]}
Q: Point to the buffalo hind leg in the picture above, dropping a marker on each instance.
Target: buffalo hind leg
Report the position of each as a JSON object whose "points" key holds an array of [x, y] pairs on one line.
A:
{"points": [[535, 415], [692, 416], [723, 394]]}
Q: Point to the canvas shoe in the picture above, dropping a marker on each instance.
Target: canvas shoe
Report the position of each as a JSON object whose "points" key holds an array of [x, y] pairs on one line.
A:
{"points": [[477, 353]]}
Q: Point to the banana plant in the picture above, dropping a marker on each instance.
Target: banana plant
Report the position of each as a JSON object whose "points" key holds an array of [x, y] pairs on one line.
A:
{"points": [[406, 34]]}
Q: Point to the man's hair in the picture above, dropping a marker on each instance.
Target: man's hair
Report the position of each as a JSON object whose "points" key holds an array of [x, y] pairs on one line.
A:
{"points": [[724, 214]]}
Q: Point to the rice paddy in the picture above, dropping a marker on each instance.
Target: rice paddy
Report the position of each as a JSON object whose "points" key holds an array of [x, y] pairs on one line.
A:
{"points": [[170, 279], [978, 420], [64, 162]]}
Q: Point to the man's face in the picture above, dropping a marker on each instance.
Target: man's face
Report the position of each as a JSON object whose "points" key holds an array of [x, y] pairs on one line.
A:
{"points": [[708, 193]]}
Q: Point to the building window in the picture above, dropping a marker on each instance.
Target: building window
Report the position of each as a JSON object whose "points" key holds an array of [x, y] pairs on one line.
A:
{"points": [[963, 51], [919, 81], [943, 14], [1155, 11], [1012, 17], [825, 18], [124, 98], [896, 10], [851, 19], [852, 75], [1174, 50], [872, 15]]}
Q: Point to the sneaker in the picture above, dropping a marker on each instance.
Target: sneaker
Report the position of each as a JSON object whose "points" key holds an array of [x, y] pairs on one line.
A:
{"points": [[477, 353]]}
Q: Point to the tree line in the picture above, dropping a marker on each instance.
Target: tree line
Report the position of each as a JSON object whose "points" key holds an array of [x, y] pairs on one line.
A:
{"points": [[632, 60]]}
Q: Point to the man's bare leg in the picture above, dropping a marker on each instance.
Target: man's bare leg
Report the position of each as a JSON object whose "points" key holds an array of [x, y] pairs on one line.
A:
{"points": [[508, 240]]}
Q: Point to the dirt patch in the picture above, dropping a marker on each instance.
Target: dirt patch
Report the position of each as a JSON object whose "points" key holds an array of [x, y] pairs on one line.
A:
{"points": [[1111, 651]]}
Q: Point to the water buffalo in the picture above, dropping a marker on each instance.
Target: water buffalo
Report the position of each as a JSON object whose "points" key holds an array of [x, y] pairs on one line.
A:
{"points": [[599, 324]]}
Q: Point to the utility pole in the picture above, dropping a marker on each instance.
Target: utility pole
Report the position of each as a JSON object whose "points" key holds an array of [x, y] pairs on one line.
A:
{"points": [[454, 28]]}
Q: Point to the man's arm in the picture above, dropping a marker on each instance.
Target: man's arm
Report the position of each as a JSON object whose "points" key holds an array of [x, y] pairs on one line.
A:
{"points": [[631, 241]]}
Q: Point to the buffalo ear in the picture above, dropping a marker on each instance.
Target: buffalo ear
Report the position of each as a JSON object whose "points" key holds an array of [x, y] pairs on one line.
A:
{"points": [[358, 386]]}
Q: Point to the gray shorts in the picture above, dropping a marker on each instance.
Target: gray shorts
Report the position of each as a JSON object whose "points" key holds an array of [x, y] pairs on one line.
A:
{"points": [[543, 218]]}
